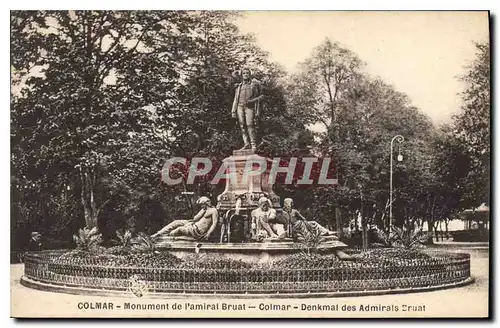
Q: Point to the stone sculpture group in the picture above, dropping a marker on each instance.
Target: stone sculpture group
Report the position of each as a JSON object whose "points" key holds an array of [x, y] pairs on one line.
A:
{"points": [[251, 199]]}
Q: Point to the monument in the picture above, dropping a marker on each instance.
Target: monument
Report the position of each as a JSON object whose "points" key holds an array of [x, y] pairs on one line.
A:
{"points": [[253, 226]]}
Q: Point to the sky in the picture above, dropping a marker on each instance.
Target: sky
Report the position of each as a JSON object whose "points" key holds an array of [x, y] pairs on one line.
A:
{"points": [[420, 53]]}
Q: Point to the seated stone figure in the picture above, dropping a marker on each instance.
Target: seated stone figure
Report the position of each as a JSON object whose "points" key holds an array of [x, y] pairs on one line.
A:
{"points": [[266, 219], [199, 228], [301, 228]]}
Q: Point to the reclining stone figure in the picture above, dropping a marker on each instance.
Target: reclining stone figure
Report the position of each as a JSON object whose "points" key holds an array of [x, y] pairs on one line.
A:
{"points": [[301, 228], [200, 227]]}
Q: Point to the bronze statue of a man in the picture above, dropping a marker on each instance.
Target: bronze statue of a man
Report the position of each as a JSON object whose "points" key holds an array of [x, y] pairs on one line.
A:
{"points": [[246, 107]]}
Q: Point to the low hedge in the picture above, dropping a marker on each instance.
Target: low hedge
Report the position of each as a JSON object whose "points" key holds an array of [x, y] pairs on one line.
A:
{"points": [[470, 235]]}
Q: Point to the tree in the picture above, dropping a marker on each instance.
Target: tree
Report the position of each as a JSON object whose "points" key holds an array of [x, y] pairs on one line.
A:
{"points": [[101, 99], [360, 116], [104, 82], [318, 93], [472, 125], [449, 167]]}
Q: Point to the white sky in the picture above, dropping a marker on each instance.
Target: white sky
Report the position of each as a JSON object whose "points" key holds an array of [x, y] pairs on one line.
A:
{"points": [[420, 53]]}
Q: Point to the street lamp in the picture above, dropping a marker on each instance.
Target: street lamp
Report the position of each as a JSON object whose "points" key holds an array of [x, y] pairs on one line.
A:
{"points": [[399, 139]]}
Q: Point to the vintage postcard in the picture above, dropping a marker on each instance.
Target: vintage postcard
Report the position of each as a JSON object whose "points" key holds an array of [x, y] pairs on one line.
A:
{"points": [[250, 164]]}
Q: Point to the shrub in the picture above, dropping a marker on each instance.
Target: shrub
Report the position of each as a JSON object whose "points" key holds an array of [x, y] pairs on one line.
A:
{"points": [[381, 238], [151, 260], [125, 238], [470, 235], [306, 261], [202, 261], [88, 240], [77, 257], [310, 244], [125, 243], [408, 238], [380, 255], [376, 238], [144, 243]]}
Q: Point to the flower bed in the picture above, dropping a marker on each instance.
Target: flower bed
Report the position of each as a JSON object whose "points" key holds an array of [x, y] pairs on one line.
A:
{"points": [[380, 269]]}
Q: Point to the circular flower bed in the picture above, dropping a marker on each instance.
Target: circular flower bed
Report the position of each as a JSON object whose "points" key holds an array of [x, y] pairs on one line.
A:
{"points": [[163, 259], [372, 270]]}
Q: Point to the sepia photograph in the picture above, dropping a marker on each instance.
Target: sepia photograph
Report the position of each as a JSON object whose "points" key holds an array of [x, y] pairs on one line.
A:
{"points": [[250, 164]]}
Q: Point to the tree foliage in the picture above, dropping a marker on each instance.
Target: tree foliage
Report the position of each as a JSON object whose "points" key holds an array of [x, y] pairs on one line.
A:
{"points": [[101, 99], [472, 126], [355, 116]]}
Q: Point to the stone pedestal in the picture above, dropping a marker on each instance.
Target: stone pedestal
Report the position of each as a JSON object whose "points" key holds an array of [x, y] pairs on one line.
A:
{"points": [[255, 187], [241, 195]]}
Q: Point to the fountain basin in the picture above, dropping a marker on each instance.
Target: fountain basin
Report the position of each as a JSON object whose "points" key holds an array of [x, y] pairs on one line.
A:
{"points": [[250, 252]]}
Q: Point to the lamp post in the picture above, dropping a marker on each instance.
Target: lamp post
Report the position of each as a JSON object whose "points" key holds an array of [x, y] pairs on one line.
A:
{"points": [[399, 139]]}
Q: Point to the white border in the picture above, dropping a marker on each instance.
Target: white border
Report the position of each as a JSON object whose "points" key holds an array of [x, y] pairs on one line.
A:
{"points": [[259, 5], [199, 4]]}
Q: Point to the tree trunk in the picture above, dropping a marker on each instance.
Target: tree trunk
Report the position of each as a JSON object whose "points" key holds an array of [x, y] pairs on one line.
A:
{"points": [[441, 230], [338, 223], [435, 228], [89, 222], [364, 232], [429, 230], [90, 213], [446, 227], [87, 197], [431, 222], [356, 226]]}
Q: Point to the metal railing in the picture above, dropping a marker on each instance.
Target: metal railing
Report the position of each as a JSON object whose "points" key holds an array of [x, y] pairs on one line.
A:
{"points": [[439, 269]]}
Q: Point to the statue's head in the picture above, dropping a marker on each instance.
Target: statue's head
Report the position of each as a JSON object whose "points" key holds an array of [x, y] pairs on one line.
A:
{"points": [[288, 203], [246, 73], [203, 201], [264, 203]]}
